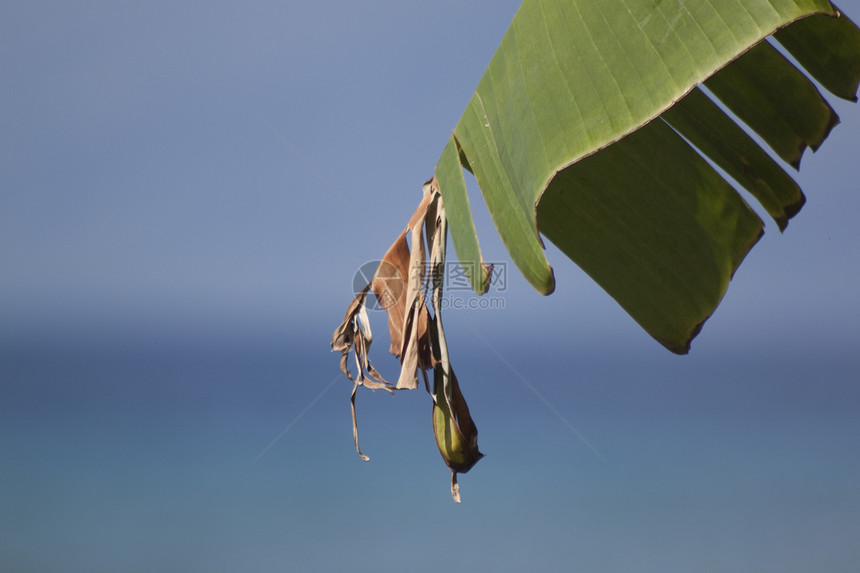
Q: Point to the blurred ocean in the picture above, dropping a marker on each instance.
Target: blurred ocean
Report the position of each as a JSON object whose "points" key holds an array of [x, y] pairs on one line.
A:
{"points": [[125, 454]]}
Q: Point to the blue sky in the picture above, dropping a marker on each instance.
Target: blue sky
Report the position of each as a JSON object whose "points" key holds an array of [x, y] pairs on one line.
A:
{"points": [[176, 253]]}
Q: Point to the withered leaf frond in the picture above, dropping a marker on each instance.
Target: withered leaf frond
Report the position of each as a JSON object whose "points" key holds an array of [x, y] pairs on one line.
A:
{"points": [[400, 283]]}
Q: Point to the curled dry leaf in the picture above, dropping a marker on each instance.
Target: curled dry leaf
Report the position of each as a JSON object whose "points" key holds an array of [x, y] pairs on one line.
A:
{"points": [[400, 283], [354, 333], [407, 315]]}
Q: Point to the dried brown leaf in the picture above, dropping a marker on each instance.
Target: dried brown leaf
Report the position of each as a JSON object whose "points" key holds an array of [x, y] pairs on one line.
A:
{"points": [[389, 286], [415, 309], [401, 283], [354, 334]]}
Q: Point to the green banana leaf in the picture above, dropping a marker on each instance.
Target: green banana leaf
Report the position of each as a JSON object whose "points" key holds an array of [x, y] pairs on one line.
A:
{"points": [[591, 128]]}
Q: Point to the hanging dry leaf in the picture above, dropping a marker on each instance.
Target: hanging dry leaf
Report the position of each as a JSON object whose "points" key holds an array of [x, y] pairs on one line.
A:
{"points": [[354, 333], [414, 353], [389, 286], [400, 283]]}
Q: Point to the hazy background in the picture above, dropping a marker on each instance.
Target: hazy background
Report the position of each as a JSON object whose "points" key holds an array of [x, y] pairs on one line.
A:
{"points": [[171, 272]]}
